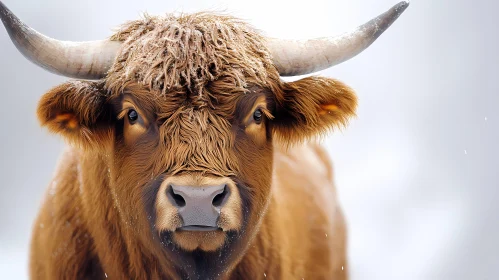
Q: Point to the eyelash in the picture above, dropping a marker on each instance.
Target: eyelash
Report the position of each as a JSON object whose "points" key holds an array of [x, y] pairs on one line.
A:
{"points": [[265, 114], [124, 112]]}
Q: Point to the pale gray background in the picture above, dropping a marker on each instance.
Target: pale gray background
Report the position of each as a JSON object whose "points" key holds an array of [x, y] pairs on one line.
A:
{"points": [[417, 171]]}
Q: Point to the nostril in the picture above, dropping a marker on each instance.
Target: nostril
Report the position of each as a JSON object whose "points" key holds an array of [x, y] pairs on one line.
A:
{"points": [[175, 199], [220, 198]]}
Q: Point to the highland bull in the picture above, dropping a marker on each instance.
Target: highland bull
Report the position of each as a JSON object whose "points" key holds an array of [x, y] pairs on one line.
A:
{"points": [[188, 156]]}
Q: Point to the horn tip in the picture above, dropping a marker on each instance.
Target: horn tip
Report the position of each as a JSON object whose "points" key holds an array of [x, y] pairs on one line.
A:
{"points": [[5, 13], [2, 6], [392, 14], [401, 6]]}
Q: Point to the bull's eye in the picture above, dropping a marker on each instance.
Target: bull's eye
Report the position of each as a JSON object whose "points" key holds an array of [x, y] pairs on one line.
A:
{"points": [[257, 116], [132, 115]]}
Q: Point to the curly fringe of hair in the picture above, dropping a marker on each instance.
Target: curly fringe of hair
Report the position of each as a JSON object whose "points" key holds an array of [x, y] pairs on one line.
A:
{"points": [[188, 51]]}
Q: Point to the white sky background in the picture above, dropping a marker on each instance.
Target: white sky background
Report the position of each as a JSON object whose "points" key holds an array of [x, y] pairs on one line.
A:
{"points": [[416, 171]]}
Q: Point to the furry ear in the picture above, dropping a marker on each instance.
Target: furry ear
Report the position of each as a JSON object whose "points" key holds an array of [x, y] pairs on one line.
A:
{"points": [[78, 110], [312, 106]]}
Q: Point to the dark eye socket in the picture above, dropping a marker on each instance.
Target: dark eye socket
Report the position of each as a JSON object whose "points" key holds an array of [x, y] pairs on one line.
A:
{"points": [[258, 116], [132, 115]]}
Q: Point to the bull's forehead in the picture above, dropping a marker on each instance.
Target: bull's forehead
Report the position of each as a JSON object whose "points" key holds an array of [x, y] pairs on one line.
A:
{"points": [[189, 51], [198, 140]]}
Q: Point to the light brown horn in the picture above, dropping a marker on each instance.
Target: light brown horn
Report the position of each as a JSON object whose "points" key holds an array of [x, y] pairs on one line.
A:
{"points": [[82, 60], [295, 57]]}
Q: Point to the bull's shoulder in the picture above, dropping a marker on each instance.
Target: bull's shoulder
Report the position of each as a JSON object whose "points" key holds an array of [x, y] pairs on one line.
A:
{"points": [[60, 231], [301, 171], [306, 213], [309, 159]]}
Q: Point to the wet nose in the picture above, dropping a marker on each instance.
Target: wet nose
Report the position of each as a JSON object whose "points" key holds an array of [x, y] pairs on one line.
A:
{"points": [[199, 207]]}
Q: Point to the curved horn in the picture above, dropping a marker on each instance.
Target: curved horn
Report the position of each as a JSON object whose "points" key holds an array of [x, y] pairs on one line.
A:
{"points": [[83, 60], [293, 57]]}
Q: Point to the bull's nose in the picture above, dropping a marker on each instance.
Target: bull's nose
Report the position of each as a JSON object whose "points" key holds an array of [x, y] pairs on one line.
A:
{"points": [[199, 207]]}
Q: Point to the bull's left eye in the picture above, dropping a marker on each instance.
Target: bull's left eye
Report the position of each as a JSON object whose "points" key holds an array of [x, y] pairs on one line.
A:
{"points": [[257, 116], [132, 115]]}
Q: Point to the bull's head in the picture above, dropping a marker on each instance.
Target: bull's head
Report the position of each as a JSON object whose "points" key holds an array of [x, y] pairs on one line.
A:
{"points": [[183, 116]]}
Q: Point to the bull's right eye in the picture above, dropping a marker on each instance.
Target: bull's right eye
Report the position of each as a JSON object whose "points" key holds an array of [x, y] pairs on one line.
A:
{"points": [[132, 115]]}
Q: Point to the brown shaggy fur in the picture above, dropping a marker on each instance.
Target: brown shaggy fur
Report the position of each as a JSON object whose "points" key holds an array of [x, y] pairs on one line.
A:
{"points": [[195, 82], [174, 52]]}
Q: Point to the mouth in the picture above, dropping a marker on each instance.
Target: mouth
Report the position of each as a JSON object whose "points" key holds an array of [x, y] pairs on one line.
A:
{"points": [[199, 228], [205, 238]]}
